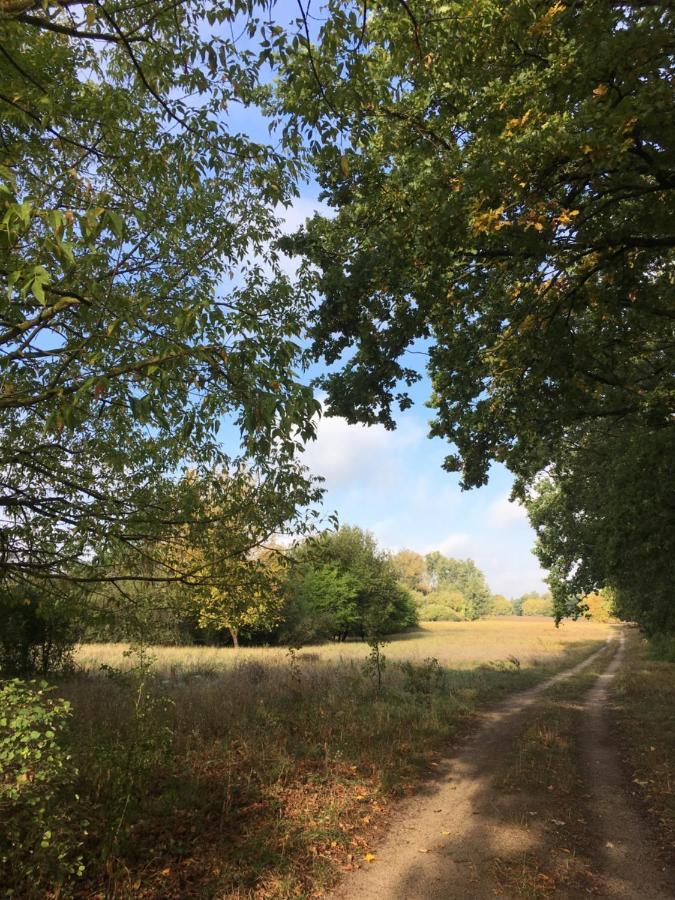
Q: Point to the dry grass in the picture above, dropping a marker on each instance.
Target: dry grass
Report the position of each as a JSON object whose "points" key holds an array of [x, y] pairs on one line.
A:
{"points": [[645, 694], [455, 644], [242, 774], [541, 778]]}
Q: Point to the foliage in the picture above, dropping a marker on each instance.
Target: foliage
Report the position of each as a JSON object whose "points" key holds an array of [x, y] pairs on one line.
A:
{"points": [[598, 606], [537, 606], [376, 661], [510, 204], [142, 298], [348, 585], [425, 677], [136, 756], [320, 602], [501, 182], [38, 628], [412, 571], [442, 605], [603, 517], [463, 575], [501, 606], [41, 830]]}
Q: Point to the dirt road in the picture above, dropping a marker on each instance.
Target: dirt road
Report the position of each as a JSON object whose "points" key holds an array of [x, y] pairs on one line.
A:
{"points": [[444, 842]]}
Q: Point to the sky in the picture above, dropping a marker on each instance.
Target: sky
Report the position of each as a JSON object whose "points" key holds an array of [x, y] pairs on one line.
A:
{"points": [[391, 482]]}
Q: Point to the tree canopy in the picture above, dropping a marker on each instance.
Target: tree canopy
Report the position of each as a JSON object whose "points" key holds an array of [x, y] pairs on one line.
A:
{"points": [[502, 179], [141, 302]]}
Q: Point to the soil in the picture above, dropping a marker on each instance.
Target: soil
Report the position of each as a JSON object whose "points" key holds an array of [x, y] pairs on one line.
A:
{"points": [[449, 840]]}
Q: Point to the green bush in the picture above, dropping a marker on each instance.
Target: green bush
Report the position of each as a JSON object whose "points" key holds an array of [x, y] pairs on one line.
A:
{"points": [[38, 631], [442, 605], [341, 585], [662, 647], [38, 843]]}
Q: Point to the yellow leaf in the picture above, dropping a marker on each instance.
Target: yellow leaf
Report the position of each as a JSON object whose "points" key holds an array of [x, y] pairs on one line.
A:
{"points": [[370, 857]]}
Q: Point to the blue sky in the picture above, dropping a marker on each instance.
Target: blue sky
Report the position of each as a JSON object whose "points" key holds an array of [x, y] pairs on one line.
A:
{"points": [[392, 483]]}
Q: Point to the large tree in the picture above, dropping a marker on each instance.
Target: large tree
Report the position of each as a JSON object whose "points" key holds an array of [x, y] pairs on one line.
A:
{"points": [[502, 176], [605, 516], [141, 298]]}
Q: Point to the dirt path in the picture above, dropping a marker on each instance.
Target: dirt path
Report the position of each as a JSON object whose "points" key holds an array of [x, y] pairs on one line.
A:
{"points": [[631, 868], [444, 842]]}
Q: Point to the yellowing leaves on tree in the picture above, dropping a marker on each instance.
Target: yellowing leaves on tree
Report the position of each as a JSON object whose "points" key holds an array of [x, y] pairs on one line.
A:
{"points": [[567, 216], [544, 23], [489, 221]]}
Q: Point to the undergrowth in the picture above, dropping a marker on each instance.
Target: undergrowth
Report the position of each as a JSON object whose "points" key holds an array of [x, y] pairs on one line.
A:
{"points": [[262, 779]]}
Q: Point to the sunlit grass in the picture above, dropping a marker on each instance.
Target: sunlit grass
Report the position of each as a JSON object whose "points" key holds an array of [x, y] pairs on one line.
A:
{"points": [[455, 644], [277, 770]]}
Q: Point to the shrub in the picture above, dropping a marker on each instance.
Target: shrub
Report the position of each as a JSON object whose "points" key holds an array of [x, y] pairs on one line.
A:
{"points": [[443, 605], [37, 631], [38, 847], [538, 606]]}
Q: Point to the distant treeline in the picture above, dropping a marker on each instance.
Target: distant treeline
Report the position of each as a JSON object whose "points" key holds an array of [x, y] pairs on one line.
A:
{"points": [[334, 587]]}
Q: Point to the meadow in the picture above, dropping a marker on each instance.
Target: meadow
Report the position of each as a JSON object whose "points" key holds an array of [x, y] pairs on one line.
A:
{"points": [[261, 772], [530, 640]]}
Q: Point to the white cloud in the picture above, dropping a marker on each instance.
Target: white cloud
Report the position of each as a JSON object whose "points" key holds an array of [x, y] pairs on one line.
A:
{"points": [[355, 456], [512, 582], [506, 512], [450, 545]]}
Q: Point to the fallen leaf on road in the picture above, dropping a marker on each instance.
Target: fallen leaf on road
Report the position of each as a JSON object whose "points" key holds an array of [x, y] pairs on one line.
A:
{"points": [[369, 857]]}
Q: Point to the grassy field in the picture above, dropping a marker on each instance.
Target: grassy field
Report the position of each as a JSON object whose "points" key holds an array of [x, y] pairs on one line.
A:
{"points": [[254, 773], [645, 713], [463, 645]]}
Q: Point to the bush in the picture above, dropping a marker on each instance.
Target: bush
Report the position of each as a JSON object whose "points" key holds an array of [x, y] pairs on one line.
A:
{"points": [[501, 606], [538, 606], [342, 585], [38, 631], [662, 647], [38, 847], [442, 605]]}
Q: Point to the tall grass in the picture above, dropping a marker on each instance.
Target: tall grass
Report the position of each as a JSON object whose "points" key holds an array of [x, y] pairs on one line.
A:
{"points": [[252, 773]]}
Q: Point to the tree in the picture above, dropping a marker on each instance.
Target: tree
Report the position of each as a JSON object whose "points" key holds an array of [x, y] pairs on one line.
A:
{"points": [[351, 584], [232, 569], [598, 606], [411, 569], [442, 605], [320, 603], [464, 576], [501, 178], [141, 298], [501, 606], [503, 192], [538, 606], [604, 518]]}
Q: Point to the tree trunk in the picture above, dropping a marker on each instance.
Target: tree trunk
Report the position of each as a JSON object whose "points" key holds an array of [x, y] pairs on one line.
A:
{"points": [[235, 637]]}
